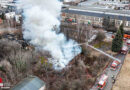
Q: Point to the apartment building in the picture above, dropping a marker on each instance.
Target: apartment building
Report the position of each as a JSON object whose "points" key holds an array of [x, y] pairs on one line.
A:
{"points": [[96, 16]]}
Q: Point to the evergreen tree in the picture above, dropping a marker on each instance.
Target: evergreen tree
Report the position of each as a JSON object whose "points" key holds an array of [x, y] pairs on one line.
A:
{"points": [[117, 42], [122, 29]]}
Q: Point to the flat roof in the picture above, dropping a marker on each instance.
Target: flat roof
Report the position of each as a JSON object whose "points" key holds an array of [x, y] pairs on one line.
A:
{"points": [[99, 12], [30, 83]]}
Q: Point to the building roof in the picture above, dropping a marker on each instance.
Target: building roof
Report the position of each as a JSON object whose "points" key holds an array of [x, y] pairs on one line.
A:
{"points": [[30, 83], [99, 12]]}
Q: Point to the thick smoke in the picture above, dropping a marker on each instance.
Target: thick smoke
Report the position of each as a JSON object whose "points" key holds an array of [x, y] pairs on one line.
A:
{"points": [[41, 16]]}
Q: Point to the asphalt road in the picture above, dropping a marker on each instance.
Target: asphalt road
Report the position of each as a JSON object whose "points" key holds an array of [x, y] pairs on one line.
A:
{"points": [[110, 73], [88, 12]]}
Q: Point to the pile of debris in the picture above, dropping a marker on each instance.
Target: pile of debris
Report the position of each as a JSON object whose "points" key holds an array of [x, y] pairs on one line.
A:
{"points": [[19, 39]]}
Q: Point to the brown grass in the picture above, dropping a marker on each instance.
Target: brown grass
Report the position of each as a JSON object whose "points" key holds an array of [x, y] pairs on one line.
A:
{"points": [[123, 80]]}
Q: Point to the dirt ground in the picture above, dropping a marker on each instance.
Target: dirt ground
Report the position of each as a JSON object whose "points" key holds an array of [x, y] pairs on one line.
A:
{"points": [[123, 79]]}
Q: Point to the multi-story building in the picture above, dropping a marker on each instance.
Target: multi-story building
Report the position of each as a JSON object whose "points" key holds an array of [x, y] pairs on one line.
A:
{"points": [[96, 15]]}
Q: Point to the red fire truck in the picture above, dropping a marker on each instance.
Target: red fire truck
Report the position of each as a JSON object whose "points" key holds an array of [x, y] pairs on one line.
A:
{"points": [[115, 65], [124, 49], [1, 82], [126, 36], [70, 20], [102, 82]]}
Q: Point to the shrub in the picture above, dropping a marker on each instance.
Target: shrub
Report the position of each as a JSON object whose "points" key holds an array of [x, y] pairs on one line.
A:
{"points": [[85, 51], [100, 36]]}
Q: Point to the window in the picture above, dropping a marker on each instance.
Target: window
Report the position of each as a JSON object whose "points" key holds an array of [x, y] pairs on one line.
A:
{"points": [[88, 17], [96, 19], [118, 22], [83, 17], [129, 23]]}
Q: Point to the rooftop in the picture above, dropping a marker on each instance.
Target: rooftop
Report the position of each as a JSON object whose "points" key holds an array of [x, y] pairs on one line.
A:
{"points": [[101, 10], [30, 83]]}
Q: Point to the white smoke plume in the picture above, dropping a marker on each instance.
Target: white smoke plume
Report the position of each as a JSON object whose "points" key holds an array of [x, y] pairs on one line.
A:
{"points": [[40, 17]]}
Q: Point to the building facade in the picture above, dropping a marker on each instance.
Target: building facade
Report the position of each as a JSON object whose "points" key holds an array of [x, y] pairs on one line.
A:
{"points": [[95, 18]]}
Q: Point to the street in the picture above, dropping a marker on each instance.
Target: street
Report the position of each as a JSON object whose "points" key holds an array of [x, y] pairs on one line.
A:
{"points": [[97, 12], [110, 73]]}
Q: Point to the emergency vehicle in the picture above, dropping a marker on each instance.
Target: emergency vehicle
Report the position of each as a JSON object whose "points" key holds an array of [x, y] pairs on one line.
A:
{"points": [[115, 65], [102, 82], [1, 82], [126, 36], [124, 49], [128, 42]]}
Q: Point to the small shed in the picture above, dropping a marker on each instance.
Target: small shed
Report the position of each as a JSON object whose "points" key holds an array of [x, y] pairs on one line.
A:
{"points": [[30, 83]]}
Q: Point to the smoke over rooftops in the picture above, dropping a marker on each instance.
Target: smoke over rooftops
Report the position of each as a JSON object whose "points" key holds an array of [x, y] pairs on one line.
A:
{"points": [[40, 18]]}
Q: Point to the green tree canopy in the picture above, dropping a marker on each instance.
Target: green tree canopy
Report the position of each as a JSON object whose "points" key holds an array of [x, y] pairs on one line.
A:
{"points": [[117, 42], [122, 29]]}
